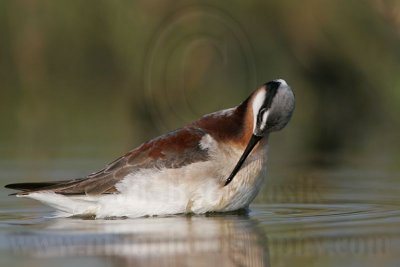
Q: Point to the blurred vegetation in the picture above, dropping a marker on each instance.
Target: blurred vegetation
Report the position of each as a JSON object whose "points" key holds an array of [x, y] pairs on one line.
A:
{"points": [[96, 78]]}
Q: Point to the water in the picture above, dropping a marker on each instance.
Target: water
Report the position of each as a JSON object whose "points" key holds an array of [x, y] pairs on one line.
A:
{"points": [[315, 217], [100, 79]]}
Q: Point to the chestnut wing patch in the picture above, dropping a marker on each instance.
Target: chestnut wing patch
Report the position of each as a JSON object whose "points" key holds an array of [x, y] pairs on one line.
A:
{"points": [[173, 150]]}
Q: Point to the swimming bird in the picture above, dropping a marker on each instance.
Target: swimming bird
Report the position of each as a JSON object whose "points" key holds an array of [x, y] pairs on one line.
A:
{"points": [[214, 164]]}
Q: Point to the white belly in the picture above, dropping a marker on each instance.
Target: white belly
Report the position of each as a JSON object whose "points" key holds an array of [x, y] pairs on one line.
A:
{"points": [[195, 188]]}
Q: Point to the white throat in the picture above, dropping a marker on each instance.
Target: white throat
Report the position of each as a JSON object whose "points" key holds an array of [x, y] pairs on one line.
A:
{"points": [[257, 103]]}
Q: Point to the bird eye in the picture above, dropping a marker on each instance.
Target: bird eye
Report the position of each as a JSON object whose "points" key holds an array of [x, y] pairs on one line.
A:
{"points": [[262, 113], [261, 116]]}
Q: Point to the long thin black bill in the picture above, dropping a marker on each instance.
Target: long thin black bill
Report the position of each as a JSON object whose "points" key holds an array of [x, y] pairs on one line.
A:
{"points": [[253, 141]]}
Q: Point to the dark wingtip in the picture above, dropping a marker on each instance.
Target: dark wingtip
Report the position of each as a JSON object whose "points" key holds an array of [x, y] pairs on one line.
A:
{"points": [[11, 186], [29, 186]]}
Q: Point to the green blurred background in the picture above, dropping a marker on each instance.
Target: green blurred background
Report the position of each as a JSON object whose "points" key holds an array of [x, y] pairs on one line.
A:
{"points": [[82, 82], [89, 80]]}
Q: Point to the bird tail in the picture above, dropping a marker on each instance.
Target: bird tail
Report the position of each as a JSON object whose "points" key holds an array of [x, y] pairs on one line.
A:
{"points": [[26, 188]]}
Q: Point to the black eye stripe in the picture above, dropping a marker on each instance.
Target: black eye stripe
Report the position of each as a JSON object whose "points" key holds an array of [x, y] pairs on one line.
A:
{"points": [[270, 97], [272, 90], [261, 114]]}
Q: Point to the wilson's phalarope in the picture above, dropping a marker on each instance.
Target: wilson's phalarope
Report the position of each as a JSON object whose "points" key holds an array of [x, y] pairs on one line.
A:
{"points": [[216, 163]]}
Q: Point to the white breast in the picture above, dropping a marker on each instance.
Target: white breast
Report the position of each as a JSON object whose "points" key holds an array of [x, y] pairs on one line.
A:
{"points": [[197, 188], [245, 186]]}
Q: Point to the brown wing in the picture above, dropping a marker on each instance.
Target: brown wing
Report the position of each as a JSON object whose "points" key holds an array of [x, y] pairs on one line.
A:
{"points": [[172, 150]]}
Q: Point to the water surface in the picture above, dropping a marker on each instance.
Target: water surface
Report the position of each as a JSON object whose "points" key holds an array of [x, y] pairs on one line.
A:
{"points": [[324, 217]]}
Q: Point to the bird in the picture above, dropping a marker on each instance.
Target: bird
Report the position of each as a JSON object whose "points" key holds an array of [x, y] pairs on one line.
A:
{"points": [[214, 164]]}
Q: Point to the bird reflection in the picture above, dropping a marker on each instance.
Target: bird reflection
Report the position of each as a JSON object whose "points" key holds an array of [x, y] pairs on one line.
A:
{"points": [[233, 240]]}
